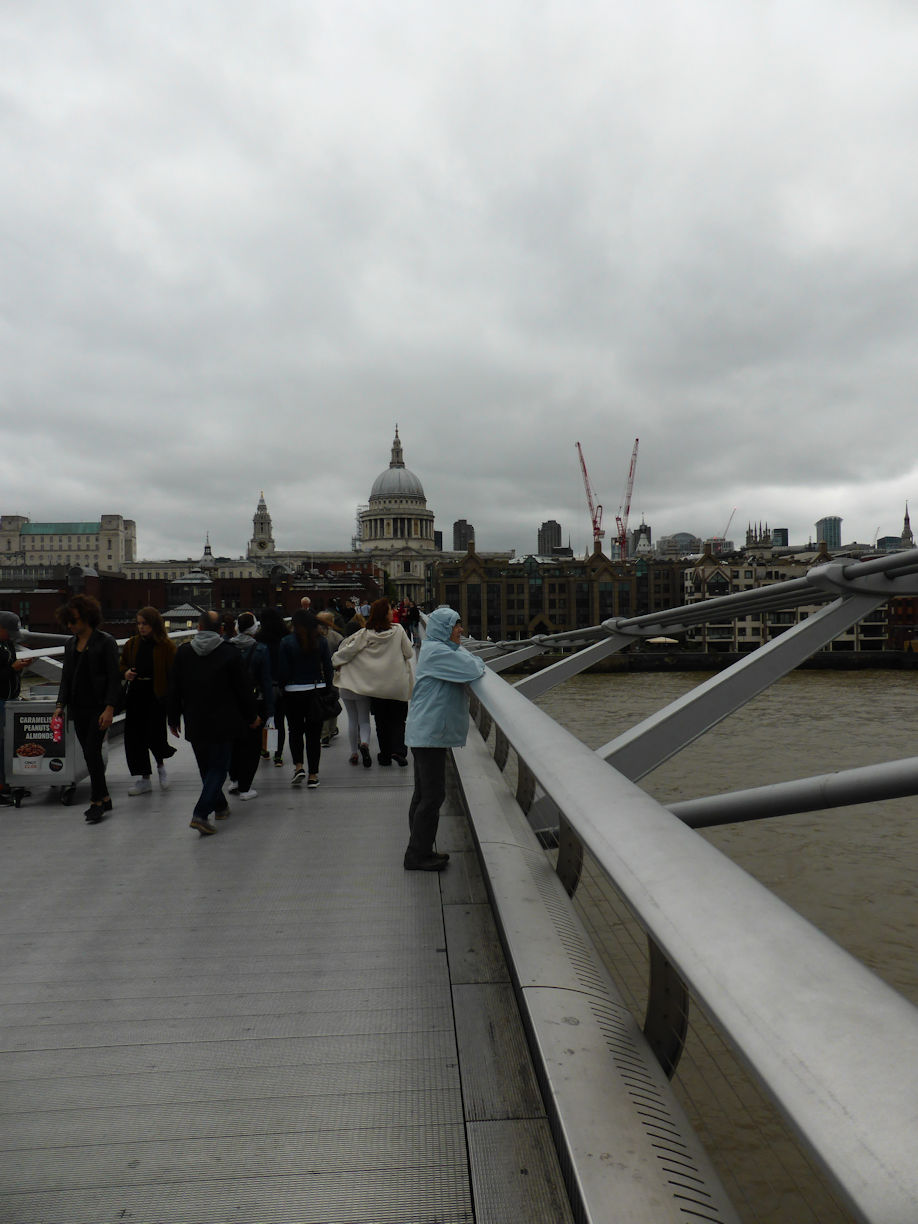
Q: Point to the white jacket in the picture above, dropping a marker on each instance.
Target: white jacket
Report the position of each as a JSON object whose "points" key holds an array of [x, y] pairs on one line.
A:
{"points": [[375, 664]]}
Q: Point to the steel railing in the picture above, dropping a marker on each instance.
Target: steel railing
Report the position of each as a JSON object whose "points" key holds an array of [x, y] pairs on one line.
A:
{"points": [[834, 1046]]}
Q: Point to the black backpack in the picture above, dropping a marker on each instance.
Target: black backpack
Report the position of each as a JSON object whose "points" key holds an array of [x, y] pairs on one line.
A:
{"points": [[248, 660]]}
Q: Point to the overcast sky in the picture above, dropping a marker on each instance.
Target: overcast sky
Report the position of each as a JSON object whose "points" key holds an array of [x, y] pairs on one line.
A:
{"points": [[241, 242]]}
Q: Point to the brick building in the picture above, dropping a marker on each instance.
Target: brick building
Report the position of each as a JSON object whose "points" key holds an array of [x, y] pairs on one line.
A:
{"points": [[508, 600]]}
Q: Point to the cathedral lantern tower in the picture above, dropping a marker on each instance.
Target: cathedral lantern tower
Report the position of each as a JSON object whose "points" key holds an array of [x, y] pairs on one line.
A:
{"points": [[262, 541], [397, 516]]}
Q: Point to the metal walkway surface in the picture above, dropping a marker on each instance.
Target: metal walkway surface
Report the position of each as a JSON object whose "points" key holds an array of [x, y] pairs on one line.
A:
{"points": [[277, 1023]]}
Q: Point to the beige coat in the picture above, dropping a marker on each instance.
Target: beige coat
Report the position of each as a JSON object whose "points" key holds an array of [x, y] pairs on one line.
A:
{"points": [[375, 664]]}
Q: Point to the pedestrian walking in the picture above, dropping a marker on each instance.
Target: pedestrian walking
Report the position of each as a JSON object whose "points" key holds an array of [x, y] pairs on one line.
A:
{"points": [[328, 629], [211, 694], [411, 622], [307, 680], [146, 665], [272, 628], [257, 664], [438, 719], [89, 689], [376, 667]]}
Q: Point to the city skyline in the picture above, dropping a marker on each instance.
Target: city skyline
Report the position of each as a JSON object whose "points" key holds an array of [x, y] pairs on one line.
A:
{"points": [[553, 532], [506, 230]]}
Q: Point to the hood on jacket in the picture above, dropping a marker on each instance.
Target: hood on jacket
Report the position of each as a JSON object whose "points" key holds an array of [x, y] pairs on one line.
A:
{"points": [[440, 624], [205, 642], [11, 623]]}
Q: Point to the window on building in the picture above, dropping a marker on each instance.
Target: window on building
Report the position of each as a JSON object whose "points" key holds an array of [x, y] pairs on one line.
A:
{"points": [[473, 596], [606, 600]]}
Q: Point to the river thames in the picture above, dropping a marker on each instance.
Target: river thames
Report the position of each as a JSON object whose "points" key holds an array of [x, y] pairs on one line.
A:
{"points": [[850, 871]]}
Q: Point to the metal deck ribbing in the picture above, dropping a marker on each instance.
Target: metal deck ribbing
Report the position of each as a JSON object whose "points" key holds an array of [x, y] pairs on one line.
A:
{"points": [[277, 1023]]}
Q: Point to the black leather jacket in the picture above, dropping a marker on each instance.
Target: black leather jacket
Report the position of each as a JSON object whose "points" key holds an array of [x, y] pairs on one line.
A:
{"points": [[101, 657]]}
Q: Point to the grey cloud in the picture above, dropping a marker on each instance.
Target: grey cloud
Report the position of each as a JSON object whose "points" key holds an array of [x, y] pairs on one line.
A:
{"points": [[241, 244]]}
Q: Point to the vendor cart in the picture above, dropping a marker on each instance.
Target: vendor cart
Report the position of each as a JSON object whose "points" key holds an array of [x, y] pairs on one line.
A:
{"points": [[38, 753]]}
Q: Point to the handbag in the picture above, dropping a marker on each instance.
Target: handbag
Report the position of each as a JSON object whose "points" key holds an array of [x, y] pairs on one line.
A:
{"points": [[325, 703], [121, 702]]}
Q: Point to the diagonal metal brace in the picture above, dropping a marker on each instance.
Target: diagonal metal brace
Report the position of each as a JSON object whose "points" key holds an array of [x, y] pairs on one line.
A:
{"points": [[656, 739]]}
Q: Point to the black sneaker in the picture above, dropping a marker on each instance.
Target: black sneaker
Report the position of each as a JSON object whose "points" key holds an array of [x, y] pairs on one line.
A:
{"points": [[427, 862], [299, 777], [204, 827], [95, 813]]}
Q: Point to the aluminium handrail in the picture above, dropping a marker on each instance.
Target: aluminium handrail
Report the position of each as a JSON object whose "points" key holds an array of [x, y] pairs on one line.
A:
{"points": [[835, 1046]]}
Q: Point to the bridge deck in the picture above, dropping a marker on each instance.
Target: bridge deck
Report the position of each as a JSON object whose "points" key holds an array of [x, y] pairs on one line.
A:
{"points": [[277, 1023]]}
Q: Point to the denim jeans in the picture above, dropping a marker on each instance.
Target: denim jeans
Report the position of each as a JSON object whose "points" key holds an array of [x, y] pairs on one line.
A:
{"points": [[213, 762]]}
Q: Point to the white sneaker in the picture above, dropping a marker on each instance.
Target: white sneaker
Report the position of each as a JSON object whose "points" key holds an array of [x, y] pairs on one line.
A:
{"points": [[140, 787], [163, 777], [249, 794]]}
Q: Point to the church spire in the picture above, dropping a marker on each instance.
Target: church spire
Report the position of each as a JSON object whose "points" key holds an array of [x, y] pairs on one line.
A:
{"points": [[907, 538]]}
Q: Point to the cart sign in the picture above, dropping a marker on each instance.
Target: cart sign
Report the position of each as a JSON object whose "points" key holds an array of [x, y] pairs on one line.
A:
{"points": [[36, 748]]}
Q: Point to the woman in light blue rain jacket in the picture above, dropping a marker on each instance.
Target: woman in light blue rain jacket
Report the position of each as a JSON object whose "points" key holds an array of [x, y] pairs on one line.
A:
{"points": [[438, 719]]}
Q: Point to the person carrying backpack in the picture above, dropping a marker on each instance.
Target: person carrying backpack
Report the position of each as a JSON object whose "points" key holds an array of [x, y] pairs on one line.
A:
{"points": [[256, 663]]}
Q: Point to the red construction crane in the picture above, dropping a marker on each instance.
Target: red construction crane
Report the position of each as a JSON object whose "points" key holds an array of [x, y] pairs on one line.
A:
{"points": [[621, 519], [595, 507]]}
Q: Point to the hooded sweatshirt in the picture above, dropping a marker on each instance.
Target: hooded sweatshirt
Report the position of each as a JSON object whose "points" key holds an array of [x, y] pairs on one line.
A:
{"points": [[376, 664], [438, 716], [209, 689]]}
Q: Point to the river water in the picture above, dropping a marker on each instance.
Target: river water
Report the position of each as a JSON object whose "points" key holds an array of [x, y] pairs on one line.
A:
{"points": [[850, 871]]}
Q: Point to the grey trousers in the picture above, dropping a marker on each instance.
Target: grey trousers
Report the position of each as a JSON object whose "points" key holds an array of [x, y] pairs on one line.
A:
{"points": [[429, 793]]}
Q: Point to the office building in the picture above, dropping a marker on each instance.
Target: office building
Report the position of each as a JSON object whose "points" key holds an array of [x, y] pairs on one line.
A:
{"points": [[549, 538], [828, 532], [463, 535]]}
